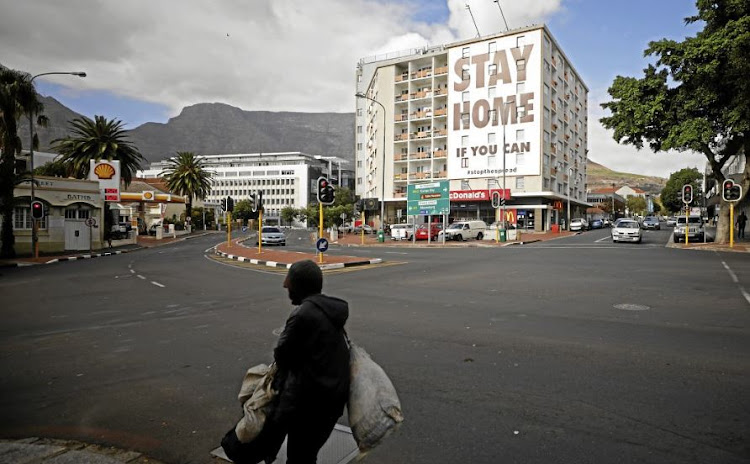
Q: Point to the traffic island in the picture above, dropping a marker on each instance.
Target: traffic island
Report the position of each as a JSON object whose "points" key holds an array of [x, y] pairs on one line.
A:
{"points": [[275, 257]]}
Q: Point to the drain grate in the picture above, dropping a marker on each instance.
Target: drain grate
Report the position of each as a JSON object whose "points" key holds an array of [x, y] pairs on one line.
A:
{"points": [[632, 307]]}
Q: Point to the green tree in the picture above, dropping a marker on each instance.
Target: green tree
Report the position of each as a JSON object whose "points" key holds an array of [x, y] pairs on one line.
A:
{"points": [[186, 174], [671, 194], [18, 98], [289, 214], [98, 139], [636, 205], [695, 97], [197, 217], [243, 209], [657, 207]]}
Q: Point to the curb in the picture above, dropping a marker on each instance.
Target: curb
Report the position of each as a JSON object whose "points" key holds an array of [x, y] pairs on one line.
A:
{"points": [[70, 258], [276, 264], [41, 450]]}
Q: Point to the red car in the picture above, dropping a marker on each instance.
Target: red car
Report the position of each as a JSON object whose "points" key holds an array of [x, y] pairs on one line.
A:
{"points": [[421, 233]]}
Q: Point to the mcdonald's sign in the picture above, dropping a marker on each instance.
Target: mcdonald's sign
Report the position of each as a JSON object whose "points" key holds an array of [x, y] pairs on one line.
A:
{"points": [[511, 216], [558, 205]]}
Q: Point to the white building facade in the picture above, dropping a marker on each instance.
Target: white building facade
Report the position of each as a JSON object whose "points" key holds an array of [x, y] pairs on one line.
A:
{"points": [[507, 111], [286, 179]]}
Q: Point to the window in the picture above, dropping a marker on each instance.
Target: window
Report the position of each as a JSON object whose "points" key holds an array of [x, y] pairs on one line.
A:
{"points": [[520, 134], [359, 129], [546, 137], [546, 114], [519, 158], [519, 183], [491, 138], [359, 111], [492, 69], [492, 47], [465, 141], [465, 52], [520, 87], [546, 160], [546, 183], [465, 120], [465, 74], [491, 93], [465, 96], [546, 89], [520, 41], [521, 65], [359, 146], [22, 218]]}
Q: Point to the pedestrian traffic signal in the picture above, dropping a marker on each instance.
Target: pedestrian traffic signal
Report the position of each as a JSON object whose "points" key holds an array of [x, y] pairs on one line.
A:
{"points": [[495, 200], [230, 204], [326, 194], [731, 191], [687, 194], [37, 210]]}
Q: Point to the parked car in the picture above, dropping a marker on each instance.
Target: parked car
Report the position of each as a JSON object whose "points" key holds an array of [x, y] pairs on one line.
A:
{"points": [[368, 230], [651, 222], [607, 223], [402, 231], [579, 224], [121, 230], [596, 224], [694, 229], [345, 228], [626, 230], [461, 230], [422, 231], [152, 229], [671, 221]]}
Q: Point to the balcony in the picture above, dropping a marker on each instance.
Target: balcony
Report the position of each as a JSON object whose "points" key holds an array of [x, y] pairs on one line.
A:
{"points": [[553, 105], [554, 62], [420, 135], [441, 70], [420, 175], [399, 194], [422, 114], [441, 112], [553, 149], [399, 157], [422, 74], [401, 137], [554, 127], [441, 133], [419, 156], [440, 174], [402, 77], [401, 117], [440, 154], [439, 92], [421, 94], [400, 177], [402, 98]]}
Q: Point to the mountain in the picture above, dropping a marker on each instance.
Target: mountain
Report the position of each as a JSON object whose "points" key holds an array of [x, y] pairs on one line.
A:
{"points": [[58, 116], [216, 128], [601, 177]]}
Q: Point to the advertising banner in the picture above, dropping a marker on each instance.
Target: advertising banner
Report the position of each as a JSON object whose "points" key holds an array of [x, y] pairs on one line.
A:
{"points": [[494, 104], [477, 195], [107, 173]]}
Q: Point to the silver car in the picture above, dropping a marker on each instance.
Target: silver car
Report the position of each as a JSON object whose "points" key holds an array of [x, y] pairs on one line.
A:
{"points": [[272, 236]]}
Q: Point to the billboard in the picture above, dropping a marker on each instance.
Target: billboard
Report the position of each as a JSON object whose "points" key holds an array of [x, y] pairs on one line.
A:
{"points": [[494, 103], [107, 173]]}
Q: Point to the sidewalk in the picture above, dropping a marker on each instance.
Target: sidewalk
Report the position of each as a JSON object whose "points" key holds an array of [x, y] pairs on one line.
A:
{"points": [[353, 240], [143, 241], [50, 451]]}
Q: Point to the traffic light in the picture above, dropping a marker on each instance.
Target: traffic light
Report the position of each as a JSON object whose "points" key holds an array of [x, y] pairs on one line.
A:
{"points": [[731, 191], [37, 210], [495, 200], [325, 191], [687, 194], [223, 204], [230, 204]]}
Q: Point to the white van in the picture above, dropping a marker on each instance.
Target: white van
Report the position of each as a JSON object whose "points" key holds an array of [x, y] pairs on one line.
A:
{"points": [[402, 231], [462, 230]]}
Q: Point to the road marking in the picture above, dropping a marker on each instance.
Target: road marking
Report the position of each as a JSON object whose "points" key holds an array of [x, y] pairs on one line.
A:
{"points": [[141, 277], [731, 273], [157, 284], [745, 294], [602, 239], [209, 249], [395, 253], [132, 271]]}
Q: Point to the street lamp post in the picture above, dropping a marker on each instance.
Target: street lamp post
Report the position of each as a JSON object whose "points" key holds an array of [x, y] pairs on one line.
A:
{"points": [[570, 174], [613, 203], [34, 237], [382, 200]]}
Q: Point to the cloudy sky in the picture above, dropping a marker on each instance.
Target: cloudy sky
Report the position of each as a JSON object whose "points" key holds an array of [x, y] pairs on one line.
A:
{"points": [[147, 59]]}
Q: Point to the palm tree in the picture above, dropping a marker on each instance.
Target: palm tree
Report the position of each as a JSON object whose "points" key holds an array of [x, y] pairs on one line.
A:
{"points": [[18, 98], [186, 174], [96, 140]]}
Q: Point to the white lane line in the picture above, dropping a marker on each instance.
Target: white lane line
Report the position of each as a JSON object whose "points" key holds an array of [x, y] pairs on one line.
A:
{"points": [[395, 253], [141, 277], [603, 239], [209, 249], [132, 271], [157, 284], [731, 273], [745, 294]]}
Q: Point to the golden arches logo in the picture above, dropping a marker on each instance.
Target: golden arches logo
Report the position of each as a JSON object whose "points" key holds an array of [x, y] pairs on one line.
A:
{"points": [[510, 216]]}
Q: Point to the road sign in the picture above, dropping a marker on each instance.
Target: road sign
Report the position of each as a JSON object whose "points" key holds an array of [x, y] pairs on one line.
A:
{"points": [[322, 245], [244, 228], [91, 222], [431, 198], [343, 216]]}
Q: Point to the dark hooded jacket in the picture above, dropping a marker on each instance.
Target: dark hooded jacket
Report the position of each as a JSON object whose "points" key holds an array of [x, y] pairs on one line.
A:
{"points": [[313, 356]]}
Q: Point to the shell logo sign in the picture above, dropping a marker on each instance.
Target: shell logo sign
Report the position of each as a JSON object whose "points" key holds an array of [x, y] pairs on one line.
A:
{"points": [[148, 195], [104, 171], [107, 173]]}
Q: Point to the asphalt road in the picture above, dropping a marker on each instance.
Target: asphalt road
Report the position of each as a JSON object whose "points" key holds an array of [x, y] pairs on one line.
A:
{"points": [[514, 355]]}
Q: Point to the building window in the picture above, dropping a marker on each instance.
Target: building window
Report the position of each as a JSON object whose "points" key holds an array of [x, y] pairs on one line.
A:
{"points": [[546, 89], [22, 218], [519, 158], [491, 138], [521, 65], [520, 134], [520, 87], [492, 69], [359, 111], [492, 47], [359, 181], [464, 140], [465, 96], [359, 129], [465, 121], [546, 114], [546, 183], [465, 74], [520, 41], [546, 160], [519, 183], [359, 146], [465, 52]]}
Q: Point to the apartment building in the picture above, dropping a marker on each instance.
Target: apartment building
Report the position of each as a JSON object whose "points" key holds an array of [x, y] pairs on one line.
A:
{"points": [[506, 111], [287, 179]]}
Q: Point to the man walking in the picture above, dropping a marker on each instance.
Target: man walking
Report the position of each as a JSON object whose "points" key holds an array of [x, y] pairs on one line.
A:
{"points": [[741, 221], [312, 356]]}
